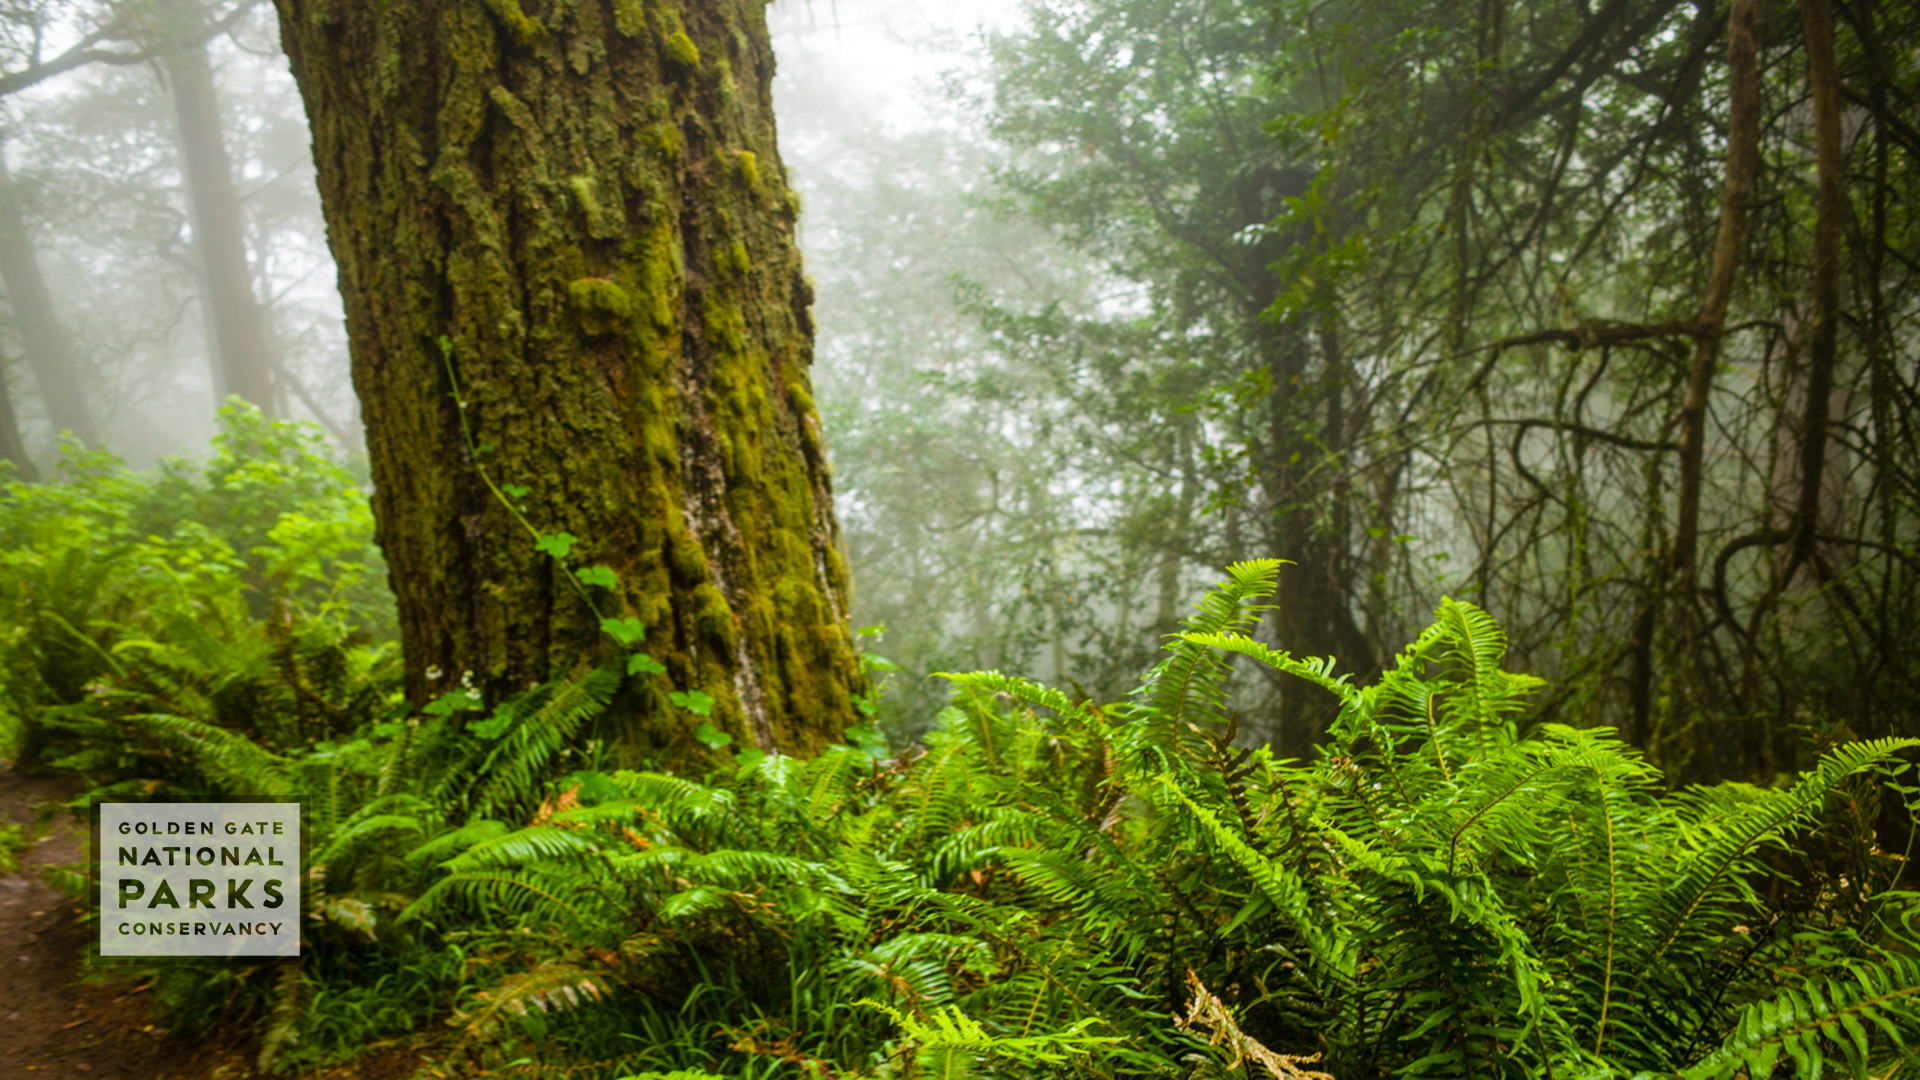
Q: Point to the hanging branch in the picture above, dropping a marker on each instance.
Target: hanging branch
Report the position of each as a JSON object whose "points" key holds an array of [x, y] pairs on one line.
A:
{"points": [[121, 30]]}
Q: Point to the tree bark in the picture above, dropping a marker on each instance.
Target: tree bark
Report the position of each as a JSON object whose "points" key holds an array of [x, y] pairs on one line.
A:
{"points": [[1823, 76], [49, 350], [1175, 536], [12, 448], [585, 202], [1743, 160], [239, 339], [1314, 615]]}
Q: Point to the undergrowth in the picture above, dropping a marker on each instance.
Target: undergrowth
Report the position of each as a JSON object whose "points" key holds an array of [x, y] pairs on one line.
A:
{"points": [[1043, 886]]}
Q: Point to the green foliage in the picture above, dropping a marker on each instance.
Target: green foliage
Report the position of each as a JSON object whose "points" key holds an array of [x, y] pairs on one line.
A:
{"points": [[112, 576], [13, 841], [1032, 890]]}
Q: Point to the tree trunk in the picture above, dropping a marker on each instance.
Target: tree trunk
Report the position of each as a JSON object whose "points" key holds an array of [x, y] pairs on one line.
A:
{"points": [[49, 351], [12, 448], [239, 339], [584, 203], [1825, 82], [1315, 598], [1743, 160], [1175, 536]]}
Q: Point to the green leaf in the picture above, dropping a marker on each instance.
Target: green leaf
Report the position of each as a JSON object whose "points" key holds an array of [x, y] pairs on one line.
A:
{"points": [[627, 631], [492, 727], [868, 740], [516, 491], [697, 702], [592, 787], [712, 736], [557, 545], [602, 576], [642, 664], [455, 701]]}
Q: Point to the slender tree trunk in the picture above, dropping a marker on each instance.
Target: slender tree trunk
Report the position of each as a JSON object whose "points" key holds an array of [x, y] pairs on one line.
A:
{"points": [[12, 448], [49, 350], [1167, 616], [1817, 17], [239, 339], [1743, 159], [585, 203]]}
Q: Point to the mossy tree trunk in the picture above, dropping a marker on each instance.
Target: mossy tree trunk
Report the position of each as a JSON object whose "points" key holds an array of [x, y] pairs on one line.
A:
{"points": [[583, 198]]}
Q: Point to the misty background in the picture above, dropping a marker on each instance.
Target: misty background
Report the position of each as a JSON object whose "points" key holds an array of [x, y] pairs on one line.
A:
{"points": [[966, 537], [1112, 294]]}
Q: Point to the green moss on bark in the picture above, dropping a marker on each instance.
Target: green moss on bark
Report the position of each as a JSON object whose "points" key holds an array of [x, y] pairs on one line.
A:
{"points": [[683, 50], [603, 237]]}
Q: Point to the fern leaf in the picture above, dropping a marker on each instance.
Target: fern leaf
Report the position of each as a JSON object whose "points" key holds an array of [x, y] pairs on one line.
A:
{"points": [[1730, 841], [1806, 1021]]}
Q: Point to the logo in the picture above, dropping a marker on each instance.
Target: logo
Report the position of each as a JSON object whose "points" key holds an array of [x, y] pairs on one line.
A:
{"points": [[199, 879]]}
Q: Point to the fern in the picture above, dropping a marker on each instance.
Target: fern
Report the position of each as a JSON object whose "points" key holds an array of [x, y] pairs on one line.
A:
{"points": [[1867, 1016], [949, 1042], [1189, 687], [1038, 887]]}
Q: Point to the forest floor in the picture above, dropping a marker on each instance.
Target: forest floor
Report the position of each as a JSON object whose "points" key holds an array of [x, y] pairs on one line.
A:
{"points": [[55, 1023]]}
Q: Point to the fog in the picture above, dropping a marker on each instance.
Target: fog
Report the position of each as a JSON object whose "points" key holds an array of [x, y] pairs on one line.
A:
{"points": [[1109, 296], [96, 155]]}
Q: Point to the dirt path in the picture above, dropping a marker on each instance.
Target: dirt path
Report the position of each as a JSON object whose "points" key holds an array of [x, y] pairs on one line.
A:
{"points": [[51, 1024], [54, 1025]]}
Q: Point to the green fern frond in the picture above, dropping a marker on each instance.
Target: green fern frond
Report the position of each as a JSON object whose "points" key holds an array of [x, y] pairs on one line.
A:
{"points": [[537, 843], [1330, 943], [250, 769], [541, 723], [1318, 671], [949, 1039], [1868, 1018], [1477, 643], [402, 812], [447, 844], [1025, 690], [517, 893], [1720, 848], [1189, 686]]}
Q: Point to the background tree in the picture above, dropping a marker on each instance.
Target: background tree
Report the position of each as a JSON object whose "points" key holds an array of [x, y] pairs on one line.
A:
{"points": [[242, 365], [1562, 179], [1521, 368], [1146, 122], [13, 448], [577, 316], [48, 349], [98, 179]]}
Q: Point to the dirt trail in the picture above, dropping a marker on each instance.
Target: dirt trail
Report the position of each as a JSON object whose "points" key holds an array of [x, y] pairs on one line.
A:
{"points": [[51, 1024]]}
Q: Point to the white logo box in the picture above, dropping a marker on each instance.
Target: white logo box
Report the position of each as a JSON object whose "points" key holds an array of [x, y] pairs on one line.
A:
{"points": [[199, 879]]}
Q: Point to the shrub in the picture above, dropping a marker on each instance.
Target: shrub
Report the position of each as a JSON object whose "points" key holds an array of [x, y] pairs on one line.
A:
{"points": [[1044, 886]]}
